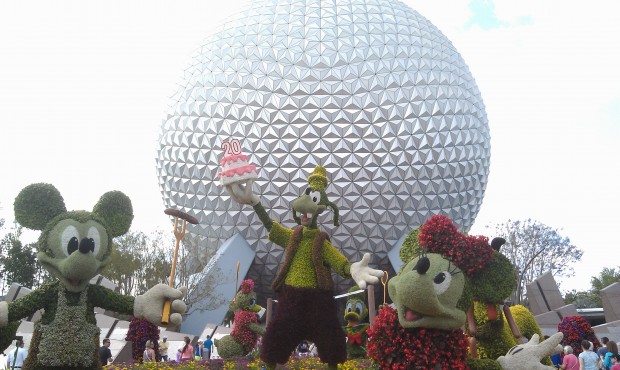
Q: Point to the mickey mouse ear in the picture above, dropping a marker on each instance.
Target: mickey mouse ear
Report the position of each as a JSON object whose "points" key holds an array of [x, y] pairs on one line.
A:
{"points": [[37, 204], [115, 208]]}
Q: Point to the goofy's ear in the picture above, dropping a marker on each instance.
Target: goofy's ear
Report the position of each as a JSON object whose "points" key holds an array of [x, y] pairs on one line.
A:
{"points": [[115, 208], [37, 204]]}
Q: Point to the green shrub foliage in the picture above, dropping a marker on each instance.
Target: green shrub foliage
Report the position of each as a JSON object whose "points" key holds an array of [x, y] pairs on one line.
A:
{"points": [[37, 204]]}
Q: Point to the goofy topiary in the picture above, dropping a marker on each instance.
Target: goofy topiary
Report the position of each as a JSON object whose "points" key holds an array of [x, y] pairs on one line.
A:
{"points": [[74, 247], [304, 287]]}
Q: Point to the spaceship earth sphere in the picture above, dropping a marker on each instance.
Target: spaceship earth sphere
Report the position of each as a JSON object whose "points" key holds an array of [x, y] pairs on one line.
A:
{"points": [[369, 89]]}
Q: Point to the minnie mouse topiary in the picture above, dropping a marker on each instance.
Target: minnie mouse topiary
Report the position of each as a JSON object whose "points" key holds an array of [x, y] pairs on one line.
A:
{"points": [[432, 294]]}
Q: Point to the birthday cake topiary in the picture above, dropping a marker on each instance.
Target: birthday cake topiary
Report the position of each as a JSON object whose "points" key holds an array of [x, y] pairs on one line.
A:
{"points": [[235, 165]]}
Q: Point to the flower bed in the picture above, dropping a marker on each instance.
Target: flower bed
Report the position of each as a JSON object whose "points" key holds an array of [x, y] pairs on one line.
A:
{"points": [[294, 363]]}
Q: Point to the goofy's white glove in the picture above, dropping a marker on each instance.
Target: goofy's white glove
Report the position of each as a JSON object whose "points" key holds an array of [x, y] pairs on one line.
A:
{"points": [[364, 275], [148, 306], [242, 193]]}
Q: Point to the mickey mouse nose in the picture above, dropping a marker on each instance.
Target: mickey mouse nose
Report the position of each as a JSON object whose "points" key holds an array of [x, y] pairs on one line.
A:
{"points": [[422, 265], [87, 245]]}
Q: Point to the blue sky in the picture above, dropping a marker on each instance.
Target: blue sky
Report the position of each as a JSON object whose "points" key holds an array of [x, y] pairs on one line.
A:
{"points": [[84, 84]]}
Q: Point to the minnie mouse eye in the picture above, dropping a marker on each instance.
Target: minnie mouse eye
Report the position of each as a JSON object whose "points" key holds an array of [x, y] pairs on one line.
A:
{"points": [[442, 281]]}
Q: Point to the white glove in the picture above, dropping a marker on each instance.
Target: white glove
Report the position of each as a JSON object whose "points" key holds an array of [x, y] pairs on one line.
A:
{"points": [[242, 193], [527, 356], [4, 314], [148, 306], [362, 274]]}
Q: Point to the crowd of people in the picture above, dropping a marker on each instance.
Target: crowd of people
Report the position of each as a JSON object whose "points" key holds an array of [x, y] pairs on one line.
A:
{"points": [[202, 351], [606, 358]]}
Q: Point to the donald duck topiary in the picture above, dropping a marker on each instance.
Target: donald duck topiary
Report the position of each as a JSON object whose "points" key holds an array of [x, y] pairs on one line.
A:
{"points": [[244, 336], [432, 295], [74, 247], [354, 314]]}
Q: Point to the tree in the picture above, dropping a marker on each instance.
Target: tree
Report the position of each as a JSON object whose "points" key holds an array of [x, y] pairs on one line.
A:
{"points": [[140, 261], [126, 262], [191, 272], [18, 261], [582, 299], [535, 248], [605, 278]]}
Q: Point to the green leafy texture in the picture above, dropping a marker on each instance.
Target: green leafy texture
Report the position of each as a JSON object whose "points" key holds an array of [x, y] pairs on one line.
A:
{"points": [[496, 282], [466, 297], [227, 347], [37, 204], [525, 321], [115, 207], [46, 297], [410, 247], [79, 216], [17, 262], [7, 334], [493, 338], [483, 364], [417, 292]]}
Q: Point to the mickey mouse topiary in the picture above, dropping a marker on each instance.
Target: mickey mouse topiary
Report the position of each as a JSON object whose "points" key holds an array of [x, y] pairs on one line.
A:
{"points": [[74, 247]]}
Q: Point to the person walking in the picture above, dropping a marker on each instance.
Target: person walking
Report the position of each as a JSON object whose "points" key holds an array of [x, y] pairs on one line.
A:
{"points": [[602, 350], [105, 355], [163, 349], [198, 351], [187, 352], [569, 361], [615, 360], [208, 347], [612, 349], [17, 357], [588, 360]]}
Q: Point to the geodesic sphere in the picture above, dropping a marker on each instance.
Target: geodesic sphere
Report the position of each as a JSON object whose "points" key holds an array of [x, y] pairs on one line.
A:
{"points": [[369, 89]]}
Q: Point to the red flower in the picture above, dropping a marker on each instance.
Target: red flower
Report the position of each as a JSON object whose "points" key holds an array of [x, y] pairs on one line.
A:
{"points": [[575, 329], [393, 347], [247, 286], [470, 253]]}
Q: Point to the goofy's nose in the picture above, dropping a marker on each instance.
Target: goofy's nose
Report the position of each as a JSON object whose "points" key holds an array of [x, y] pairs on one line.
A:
{"points": [[422, 265], [87, 245]]}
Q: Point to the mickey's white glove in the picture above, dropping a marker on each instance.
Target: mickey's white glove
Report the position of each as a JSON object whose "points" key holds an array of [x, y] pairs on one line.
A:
{"points": [[363, 275], [527, 356], [148, 306], [242, 192]]}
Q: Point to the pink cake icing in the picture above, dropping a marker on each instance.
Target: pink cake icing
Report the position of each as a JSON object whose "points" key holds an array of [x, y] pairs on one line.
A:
{"points": [[235, 168]]}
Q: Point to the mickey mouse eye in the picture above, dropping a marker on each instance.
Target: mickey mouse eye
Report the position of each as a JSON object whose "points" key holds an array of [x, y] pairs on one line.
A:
{"points": [[95, 238], [316, 196], [252, 302], [442, 281], [308, 190], [69, 240], [359, 308]]}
